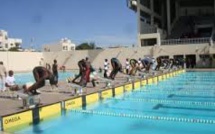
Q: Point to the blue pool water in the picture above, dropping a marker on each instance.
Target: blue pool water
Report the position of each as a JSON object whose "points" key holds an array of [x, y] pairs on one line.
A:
{"points": [[176, 105], [22, 78]]}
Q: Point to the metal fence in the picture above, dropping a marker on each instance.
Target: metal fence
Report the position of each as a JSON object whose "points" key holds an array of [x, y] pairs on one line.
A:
{"points": [[149, 30], [185, 41]]}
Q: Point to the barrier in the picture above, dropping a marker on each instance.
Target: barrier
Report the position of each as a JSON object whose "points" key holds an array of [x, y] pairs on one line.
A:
{"points": [[149, 81], [119, 90], [73, 103], [92, 98], [160, 78], [137, 85], [17, 120], [155, 79], [50, 110], [106, 94], [143, 82], [128, 87]]}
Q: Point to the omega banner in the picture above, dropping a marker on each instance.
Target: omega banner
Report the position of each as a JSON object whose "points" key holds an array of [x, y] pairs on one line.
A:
{"points": [[24, 118]]}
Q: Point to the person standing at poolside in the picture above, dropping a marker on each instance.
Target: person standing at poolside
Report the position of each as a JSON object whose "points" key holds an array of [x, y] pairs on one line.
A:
{"points": [[55, 71], [127, 66], [106, 67], [3, 75]]}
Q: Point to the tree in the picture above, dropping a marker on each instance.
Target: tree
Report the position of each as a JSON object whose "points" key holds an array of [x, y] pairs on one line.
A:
{"points": [[85, 46], [15, 49]]}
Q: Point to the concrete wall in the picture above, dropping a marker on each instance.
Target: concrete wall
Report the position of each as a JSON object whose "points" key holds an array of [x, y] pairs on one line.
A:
{"points": [[25, 61], [21, 61]]}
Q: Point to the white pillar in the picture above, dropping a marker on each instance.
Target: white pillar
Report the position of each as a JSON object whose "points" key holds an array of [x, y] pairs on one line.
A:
{"points": [[168, 17], [159, 40], [138, 24], [152, 9]]}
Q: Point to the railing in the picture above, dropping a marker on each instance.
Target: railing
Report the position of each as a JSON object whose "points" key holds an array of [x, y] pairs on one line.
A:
{"points": [[149, 30], [185, 41]]}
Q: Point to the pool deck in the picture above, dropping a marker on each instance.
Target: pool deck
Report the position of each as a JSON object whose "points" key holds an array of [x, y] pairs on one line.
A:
{"points": [[10, 105]]}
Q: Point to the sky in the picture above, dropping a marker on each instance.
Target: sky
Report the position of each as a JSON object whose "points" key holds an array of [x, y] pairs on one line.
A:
{"points": [[39, 22]]}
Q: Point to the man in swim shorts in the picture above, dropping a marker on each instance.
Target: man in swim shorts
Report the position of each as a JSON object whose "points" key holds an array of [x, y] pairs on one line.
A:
{"points": [[82, 68], [147, 62], [41, 74], [117, 66]]}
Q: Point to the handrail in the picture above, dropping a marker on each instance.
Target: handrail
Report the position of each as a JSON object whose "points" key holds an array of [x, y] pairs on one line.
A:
{"points": [[149, 30], [185, 41]]}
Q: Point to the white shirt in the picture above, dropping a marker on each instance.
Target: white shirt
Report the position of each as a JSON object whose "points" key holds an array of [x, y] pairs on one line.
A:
{"points": [[127, 66], [106, 65], [10, 80]]}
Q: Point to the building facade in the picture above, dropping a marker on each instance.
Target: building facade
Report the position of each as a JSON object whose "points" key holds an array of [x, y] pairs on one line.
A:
{"points": [[7, 43], [63, 45], [177, 28]]}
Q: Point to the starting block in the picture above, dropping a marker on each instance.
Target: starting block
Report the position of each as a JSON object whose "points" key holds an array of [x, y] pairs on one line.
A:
{"points": [[77, 88], [30, 101]]}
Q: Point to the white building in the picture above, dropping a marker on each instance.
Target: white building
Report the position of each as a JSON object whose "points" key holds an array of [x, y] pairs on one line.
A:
{"points": [[7, 43], [63, 45]]}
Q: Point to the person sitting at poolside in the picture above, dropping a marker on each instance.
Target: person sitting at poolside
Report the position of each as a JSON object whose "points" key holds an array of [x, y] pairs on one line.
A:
{"points": [[41, 74], [10, 82], [117, 66]]}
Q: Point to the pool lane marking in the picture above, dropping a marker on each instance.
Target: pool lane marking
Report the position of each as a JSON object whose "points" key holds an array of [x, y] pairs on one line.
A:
{"points": [[197, 103], [137, 116], [177, 92], [212, 87]]}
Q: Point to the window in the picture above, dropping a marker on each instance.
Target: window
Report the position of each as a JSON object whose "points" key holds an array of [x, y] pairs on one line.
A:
{"points": [[11, 44], [65, 48], [148, 42]]}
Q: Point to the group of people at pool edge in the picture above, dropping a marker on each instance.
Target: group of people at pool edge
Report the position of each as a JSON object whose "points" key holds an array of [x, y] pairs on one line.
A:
{"points": [[41, 74], [88, 73]]}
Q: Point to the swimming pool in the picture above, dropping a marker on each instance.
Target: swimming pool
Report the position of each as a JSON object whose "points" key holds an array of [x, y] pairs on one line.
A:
{"points": [[182, 104], [22, 78]]}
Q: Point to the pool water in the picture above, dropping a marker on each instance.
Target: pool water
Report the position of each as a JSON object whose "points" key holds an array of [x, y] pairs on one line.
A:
{"points": [[184, 104], [22, 78]]}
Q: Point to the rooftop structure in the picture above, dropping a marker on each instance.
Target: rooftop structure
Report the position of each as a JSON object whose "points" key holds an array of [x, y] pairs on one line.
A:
{"points": [[6, 43], [62, 45]]}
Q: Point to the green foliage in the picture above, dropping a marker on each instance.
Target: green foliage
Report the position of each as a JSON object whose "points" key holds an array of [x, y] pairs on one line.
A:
{"points": [[86, 46], [14, 49]]}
